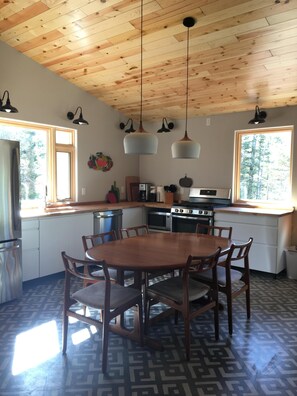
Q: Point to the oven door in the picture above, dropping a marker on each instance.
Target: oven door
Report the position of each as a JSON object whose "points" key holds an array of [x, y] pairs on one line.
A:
{"points": [[159, 219], [185, 223]]}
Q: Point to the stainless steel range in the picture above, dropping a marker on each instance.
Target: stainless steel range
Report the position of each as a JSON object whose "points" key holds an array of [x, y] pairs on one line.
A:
{"points": [[199, 208]]}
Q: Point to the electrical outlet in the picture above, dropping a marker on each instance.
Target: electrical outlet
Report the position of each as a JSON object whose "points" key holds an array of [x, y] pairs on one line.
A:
{"points": [[83, 191], [207, 121]]}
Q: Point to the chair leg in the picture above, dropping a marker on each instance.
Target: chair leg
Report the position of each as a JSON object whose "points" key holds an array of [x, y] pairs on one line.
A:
{"points": [[138, 322], [187, 337], [216, 320], [105, 334], [229, 308], [65, 332], [248, 303]]}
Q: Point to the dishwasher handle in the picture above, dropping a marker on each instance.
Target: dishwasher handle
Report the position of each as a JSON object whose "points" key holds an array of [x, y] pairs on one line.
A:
{"points": [[105, 215]]}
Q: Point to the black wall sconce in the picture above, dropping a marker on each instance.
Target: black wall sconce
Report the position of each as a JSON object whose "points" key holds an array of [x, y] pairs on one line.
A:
{"points": [[259, 117], [80, 120], [129, 128], [7, 108], [166, 126]]}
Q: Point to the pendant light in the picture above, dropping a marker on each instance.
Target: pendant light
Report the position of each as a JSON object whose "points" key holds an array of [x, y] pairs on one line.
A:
{"points": [[186, 148], [140, 142]]}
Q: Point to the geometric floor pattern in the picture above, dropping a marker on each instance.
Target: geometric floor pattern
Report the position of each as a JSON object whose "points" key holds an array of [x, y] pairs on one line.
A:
{"points": [[259, 359]]}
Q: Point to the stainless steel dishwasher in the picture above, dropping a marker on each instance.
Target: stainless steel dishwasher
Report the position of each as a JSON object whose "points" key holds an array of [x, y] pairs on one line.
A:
{"points": [[105, 221]]}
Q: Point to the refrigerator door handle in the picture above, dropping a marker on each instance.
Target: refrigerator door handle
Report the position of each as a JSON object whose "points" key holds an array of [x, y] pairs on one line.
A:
{"points": [[15, 188]]}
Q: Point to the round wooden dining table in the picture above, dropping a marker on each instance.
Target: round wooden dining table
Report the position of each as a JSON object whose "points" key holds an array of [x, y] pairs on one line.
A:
{"points": [[153, 252], [156, 251]]}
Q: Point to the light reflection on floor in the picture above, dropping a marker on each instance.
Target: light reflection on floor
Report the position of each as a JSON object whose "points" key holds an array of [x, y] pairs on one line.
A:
{"points": [[35, 346]]}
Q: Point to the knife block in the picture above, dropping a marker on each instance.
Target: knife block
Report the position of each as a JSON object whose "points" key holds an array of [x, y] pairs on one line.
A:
{"points": [[169, 197]]}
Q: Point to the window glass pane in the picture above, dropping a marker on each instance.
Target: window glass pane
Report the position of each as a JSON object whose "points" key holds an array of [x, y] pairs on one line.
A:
{"points": [[63, 137], [33, 162], [63, 175], [265, 166]]}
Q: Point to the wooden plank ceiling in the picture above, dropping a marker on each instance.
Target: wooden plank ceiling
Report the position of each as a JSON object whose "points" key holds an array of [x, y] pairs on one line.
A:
{"points": [[242, 52]]}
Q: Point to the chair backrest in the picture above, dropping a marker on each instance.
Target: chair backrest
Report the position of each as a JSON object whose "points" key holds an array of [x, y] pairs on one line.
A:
{"points": [[197, 264], [240, 251], [134, 231], [224, 232], [90, 241], [72, 264]]}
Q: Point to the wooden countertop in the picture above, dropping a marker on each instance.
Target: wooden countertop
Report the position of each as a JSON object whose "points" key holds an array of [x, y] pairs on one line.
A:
{"points": [[255, 211], [103, 206], [88, 207]]}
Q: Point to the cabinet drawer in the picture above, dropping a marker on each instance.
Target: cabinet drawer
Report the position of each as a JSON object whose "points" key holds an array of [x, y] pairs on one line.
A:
{"points": [[263, 258], [30, 225], [270, 221], [261, 234]]}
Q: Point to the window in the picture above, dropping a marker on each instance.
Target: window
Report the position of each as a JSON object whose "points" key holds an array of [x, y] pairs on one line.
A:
{"points": [[263, 166], [47, 170]]}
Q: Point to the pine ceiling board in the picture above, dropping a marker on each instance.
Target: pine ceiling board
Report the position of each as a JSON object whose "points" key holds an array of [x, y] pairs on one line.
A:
{"points": [[39, 41], [10, 8], [271, 33], [79, 44], [286, 49], [9, 21], [285, 16], [51, 19]]}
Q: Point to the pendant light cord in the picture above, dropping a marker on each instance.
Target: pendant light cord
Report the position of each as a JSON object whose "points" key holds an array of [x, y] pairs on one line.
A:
{"points": [[187, 82], [141, 59]]}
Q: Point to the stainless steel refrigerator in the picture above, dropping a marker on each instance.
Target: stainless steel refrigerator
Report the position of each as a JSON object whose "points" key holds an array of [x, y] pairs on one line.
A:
{"points": [[10, 222]]}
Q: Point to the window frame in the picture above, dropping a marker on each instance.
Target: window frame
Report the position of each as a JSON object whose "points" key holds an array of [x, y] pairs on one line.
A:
{"points": [[52, 149], [237, 162]]}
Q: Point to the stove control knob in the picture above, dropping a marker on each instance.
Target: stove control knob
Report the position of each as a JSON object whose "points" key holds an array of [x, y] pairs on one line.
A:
{"points": [[190, 211], [200, 211], [206, 212], [181, 210], [176, 210]]}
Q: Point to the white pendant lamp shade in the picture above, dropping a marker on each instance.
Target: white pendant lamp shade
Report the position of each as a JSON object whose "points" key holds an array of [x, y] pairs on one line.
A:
{"points": [[140, 142], [185, 148]]}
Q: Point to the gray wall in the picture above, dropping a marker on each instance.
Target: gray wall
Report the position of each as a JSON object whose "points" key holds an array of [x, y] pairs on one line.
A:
{"points": [[43, 97]]}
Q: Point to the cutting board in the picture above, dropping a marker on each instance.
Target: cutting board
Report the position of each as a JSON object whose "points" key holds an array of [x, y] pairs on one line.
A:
{"points": [[132, 190]]}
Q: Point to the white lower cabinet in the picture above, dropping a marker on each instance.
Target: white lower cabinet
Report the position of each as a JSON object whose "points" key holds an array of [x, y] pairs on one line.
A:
{"points": [[271, 234], [62, 233], [30, 249], [133, 217]]}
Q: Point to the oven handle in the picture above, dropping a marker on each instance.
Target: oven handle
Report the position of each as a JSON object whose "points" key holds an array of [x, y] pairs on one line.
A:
{"points": [[190, 218]]}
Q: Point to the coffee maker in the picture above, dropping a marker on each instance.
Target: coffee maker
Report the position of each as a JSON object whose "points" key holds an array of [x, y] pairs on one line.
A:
{"points": [[144, 192]]}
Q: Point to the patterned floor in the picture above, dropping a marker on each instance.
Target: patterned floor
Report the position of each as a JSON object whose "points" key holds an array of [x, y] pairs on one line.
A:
{"points": [[260, 358]]}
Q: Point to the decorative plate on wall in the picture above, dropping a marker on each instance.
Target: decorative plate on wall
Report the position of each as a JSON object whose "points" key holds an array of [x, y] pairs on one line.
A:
{"points": [[99, 161]]}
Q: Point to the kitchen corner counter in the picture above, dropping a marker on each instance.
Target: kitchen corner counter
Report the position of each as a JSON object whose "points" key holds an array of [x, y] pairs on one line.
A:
{"points": [[87, 207], [254, 211]]}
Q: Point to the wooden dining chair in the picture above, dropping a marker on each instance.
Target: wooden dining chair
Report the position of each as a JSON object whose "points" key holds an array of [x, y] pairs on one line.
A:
{"points": [[135, 231], [90, 241], [224, 232], [129, 232], [103, 295], [233, 282], [180, 292]]}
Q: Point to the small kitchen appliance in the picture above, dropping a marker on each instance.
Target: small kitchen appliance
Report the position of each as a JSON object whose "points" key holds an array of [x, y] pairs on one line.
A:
{"points": [[144, 192]]}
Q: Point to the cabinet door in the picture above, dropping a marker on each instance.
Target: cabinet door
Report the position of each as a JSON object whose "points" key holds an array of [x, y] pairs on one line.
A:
{"points": [[133, 217], [62, 233], [30, 249]]}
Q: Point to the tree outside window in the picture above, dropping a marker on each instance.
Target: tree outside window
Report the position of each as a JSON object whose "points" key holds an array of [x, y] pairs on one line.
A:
{"points": [[263, 166]]}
